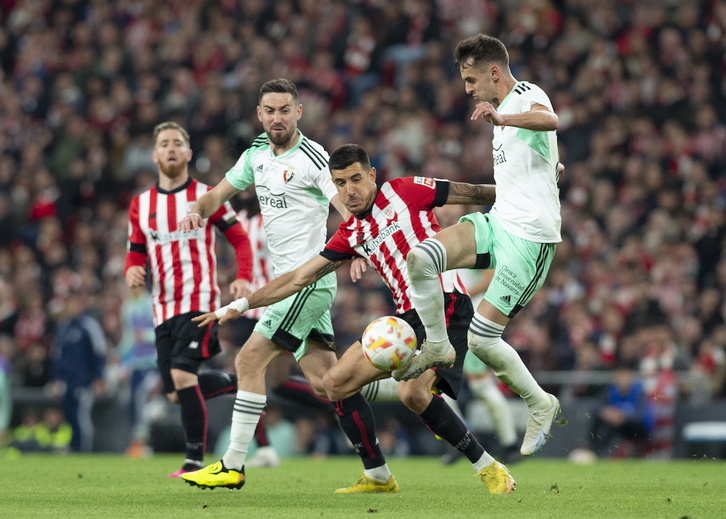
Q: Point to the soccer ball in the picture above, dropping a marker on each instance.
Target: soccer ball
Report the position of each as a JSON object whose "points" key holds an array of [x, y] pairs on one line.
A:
{"points": [[389, 343]]}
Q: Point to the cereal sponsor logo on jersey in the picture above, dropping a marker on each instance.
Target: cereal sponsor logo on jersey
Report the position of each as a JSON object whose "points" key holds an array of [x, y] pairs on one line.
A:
{"points": [[269, 199]]}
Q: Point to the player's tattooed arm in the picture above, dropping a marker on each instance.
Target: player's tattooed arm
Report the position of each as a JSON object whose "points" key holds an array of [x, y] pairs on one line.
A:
{"points": [[471, 194], [330, 266]]}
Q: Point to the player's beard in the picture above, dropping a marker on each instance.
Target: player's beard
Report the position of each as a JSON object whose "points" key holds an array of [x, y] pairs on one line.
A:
{"points": [[280, 139], [173, 170]]}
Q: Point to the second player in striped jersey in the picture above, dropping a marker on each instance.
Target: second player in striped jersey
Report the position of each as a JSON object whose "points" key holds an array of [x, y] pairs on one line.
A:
{"points": [[183, 268]]}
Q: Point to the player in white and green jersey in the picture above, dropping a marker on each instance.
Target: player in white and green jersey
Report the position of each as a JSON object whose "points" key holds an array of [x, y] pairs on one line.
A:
{"points": [[294, 190], [293, 184], [516, 239]]}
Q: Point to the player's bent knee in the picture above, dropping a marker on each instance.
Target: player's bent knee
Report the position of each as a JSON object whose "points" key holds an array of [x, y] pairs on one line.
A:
{"points": [[426, 259], [414, 396]]}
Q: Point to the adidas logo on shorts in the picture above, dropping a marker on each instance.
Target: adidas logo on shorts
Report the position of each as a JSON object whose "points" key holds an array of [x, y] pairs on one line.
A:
{"points": [[506, 299]]}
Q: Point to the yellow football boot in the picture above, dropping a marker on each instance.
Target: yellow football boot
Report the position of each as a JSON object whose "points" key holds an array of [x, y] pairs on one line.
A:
{"points": [[216, 475], [370, 486]]}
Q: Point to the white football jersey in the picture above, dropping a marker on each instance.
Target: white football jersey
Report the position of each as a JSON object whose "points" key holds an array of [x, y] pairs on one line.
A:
{"points": [[525, 172], [294, 190]]}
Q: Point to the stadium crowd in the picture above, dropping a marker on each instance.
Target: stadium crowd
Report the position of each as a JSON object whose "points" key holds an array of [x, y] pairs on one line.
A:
{"points": [[639, 87]]}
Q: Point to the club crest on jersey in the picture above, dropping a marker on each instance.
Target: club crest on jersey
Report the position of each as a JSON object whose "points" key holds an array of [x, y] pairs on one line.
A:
{"points": [[389, 213], [424, 181], [287, 175]]}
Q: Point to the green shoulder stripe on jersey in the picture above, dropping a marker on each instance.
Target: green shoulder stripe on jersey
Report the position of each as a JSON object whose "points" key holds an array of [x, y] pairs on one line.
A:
{"points": [[317, 195], [539, 142]]}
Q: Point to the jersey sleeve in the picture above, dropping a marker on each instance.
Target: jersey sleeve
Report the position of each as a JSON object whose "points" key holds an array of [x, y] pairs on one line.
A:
{"points": [[421, 193], [323, 180], [225, 219], [534, 95], [241, 175], [137, 252], [338, 249]]}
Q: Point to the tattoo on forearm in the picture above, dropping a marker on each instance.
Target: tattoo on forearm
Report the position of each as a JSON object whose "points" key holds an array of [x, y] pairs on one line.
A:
{"points": [[328, 268], [464, 193]]}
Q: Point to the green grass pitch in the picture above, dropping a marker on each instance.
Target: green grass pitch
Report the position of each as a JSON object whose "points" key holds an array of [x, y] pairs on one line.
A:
{"points": [[108, 487]]}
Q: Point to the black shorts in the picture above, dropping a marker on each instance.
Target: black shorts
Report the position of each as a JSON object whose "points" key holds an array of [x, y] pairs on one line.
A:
{"points": [[240, 330], [460, 311], [180, 344]]}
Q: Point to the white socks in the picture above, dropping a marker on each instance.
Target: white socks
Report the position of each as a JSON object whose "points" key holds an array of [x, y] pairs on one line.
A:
{"points": [[485, 341], [425, 262], [487, 391], [245, 416], [486, 459], [384, 390], [380, 474]]}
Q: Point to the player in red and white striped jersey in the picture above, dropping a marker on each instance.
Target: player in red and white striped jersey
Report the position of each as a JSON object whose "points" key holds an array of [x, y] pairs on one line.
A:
{"points": [[183, 272], [386, 223]]}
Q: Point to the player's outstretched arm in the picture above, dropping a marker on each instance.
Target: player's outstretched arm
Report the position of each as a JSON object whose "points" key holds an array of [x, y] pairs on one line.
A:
{"points": [[207, 204], [471, 194], [276, 290]]}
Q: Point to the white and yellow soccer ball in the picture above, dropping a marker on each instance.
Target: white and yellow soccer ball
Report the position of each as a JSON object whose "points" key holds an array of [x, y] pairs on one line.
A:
{"points": [[389, 343]]}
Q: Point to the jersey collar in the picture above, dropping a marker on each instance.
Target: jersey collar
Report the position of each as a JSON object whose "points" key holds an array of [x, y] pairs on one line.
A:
{"points": [[291, 150], [180, 188]]}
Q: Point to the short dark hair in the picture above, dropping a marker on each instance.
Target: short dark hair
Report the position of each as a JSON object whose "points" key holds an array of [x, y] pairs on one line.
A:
{"points": [[170, 125], [348, 154], [279, 86], [480, 49]]}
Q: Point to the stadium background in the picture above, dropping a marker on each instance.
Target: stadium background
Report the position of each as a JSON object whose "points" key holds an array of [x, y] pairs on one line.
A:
{"points": [[640, 89]]}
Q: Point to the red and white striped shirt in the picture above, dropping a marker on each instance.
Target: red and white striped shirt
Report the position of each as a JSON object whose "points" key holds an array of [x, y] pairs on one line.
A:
{"points": [[183, 266], [261, 262], [401, 218]]}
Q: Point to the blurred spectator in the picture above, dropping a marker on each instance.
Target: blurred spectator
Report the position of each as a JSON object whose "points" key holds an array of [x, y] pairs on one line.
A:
{"points": [[32, 367], [624, 412], [78, 358], [137, 352], [6, 400], [47, 433]]}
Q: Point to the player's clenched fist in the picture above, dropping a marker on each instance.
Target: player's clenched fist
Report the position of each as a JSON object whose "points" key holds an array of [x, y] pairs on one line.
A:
{"points": [[135, 276]]}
